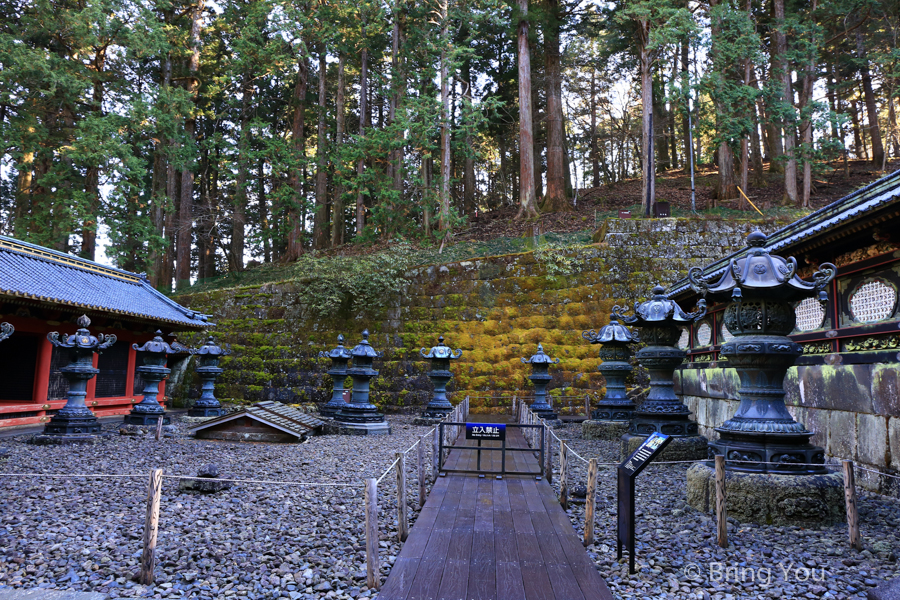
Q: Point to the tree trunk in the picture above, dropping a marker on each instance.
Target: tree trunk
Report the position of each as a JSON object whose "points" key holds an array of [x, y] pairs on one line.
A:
{"points": [[871, 108], [239, 208], [298, 144], [784, 72], [648, 177], [859, 140], [337, 209], [555, 200], [685, 122], [469, 167], [806, 125], [185, 212], [444, 219], [320, 226], [361, 164], [527, 201], [595, 153]]}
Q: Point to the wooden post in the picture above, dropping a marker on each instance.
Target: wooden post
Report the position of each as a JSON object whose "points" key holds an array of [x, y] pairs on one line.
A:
{"points": [[563, 475], [548, 455], [420, 469], [402, 520], [373, 568], [589, 502], [587, 407], [435, 454], [159, 425], [151, 527], [850, 500], [721, 513]]}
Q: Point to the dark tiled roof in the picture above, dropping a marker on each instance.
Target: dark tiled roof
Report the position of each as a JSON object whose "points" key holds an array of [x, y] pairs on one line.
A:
{"points": [[274, 414], [840, 213], [37, 273]]}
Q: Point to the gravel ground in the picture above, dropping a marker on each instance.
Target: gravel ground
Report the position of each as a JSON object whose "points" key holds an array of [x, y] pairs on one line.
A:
{"points": [[677, 553], [254, 540]]}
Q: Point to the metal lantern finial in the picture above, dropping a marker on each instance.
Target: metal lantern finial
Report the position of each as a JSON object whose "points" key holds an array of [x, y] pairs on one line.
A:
{"points": [[208, 356], [440, 356], [339, 356], [759, 287], [75, 422], [540, 376]]}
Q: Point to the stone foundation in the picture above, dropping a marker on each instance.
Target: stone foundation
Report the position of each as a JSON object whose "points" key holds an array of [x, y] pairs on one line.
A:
{"points": [[805, 500], [680, 448], [603, 430]]}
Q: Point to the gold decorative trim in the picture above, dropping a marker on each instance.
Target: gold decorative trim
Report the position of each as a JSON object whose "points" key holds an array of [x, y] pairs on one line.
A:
{"points": [[817, 348], [77, 263], [885, 342]]}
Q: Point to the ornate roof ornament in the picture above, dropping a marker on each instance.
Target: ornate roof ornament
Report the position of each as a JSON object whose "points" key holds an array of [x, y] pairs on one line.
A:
{"points": [[442, 351], [658, 310], [613, 332], [757, 271]]}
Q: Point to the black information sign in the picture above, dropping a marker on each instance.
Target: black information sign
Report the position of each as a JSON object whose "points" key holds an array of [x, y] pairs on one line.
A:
{"points": [[628, 471], [485, 431]]}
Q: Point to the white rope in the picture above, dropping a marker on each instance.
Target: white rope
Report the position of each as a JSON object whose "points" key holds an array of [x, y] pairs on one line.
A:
{"points": [[262, 481], [65, 476], [570, 449], [874, 471], [385, 474]]}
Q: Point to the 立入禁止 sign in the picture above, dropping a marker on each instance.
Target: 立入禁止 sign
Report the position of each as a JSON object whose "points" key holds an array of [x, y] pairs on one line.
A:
{"points": [[485, 431]]}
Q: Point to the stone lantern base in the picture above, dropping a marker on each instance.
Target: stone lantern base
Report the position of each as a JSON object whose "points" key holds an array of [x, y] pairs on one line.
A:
{"points": [[45, 439], [203, 411], [144, 419], [344, 428], [803, 500], [691, 447], [603, 430]]}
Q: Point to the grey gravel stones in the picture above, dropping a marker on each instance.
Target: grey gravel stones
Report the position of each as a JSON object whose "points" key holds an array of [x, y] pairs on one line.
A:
{"points": [[254, 541], [677, 554]]}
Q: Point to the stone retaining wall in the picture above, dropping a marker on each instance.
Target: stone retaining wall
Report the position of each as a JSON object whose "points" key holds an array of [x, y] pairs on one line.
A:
{"points": [[496, 309], [854, 411]]}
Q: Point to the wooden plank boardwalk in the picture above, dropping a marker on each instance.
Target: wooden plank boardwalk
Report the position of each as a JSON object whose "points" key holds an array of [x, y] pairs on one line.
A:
{"points": [[489, 539]]}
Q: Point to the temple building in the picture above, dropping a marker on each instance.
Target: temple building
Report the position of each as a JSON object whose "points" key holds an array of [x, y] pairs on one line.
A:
{"points": [[42, 290], [844, 387]]}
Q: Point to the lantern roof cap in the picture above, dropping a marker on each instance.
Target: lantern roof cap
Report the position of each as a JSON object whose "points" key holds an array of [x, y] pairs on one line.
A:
{"points": [[659, 309], [540, 357], [364, 349], [211, 348], [338, 352], [157, 345], [759, 271], [611, 332], [442, 350]]}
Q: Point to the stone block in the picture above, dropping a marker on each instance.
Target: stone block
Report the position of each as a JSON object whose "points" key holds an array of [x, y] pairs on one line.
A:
{"points": [[886, 389], [715, 383], [889, 590], [816, 420], [807, 500], [43, 594], [872, 440], [840, 387], [894, 437], [842, 434], [603, 430], [690, 382]]}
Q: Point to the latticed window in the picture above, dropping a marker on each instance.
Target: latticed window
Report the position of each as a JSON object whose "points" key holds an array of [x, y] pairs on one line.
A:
{"points": [[810, 314], [113, 375], [725, 335], [873, 301], [59, 385], [684, 342], [704, 334]]}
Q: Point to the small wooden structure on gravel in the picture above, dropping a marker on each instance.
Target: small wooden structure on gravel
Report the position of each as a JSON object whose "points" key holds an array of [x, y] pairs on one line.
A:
{"points": [[263, 422]]}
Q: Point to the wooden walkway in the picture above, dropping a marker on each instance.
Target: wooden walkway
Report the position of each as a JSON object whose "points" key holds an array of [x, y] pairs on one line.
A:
{"points": [[489, 539]]}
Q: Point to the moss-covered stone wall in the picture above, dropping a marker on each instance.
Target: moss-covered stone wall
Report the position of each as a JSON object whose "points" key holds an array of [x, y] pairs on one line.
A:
{"points": [[854, 411], [496, 309]]}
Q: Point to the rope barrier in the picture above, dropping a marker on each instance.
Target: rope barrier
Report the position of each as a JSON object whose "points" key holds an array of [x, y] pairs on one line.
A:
{"points": [[876, 472], [387, 472], [263, 481], [66, 476]]}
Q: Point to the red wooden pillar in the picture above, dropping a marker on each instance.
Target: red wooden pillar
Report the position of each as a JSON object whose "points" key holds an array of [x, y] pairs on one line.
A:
{"points": [[92, 385], [129, 377], [162, 389], [42, 374]]}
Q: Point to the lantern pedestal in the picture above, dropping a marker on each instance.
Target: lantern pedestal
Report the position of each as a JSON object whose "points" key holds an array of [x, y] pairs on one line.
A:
{"points": [[148, 411], [813, 500], [438, 407], [75, 423], [361, 417], [603, 430], [541, 378], [339, 357]]}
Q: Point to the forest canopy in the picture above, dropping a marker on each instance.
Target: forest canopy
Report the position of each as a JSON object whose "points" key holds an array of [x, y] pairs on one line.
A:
{"points": [[194, 138]]}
